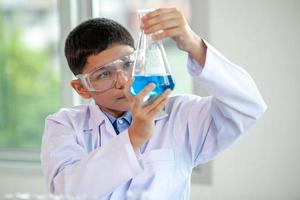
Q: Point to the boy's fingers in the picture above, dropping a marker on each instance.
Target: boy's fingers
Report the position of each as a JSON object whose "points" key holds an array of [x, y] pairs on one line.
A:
{"points": [[139, 98], [168, 33], [157, 101], [148, 22], [163, 25], [157, 12], [158, 108]]}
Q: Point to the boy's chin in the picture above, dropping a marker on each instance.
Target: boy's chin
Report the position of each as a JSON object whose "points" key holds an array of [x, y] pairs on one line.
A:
{"points": [[124, 106]]}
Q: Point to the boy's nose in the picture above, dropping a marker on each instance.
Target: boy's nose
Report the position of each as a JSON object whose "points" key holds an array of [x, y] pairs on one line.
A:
{"points": [[121, 79]]}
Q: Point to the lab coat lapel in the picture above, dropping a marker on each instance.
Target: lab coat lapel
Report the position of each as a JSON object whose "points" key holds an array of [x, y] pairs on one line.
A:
{"points": [[99, 119]]}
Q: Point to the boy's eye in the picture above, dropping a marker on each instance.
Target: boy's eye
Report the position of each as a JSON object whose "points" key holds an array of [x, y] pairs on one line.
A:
{"points": [[127, 64], [102, 75]]}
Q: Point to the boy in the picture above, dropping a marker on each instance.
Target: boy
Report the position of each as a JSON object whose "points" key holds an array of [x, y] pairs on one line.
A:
{"points": [[120, 149]]}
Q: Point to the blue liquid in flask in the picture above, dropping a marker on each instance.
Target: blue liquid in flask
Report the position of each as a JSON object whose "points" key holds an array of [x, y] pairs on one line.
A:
{"points": [[162, 83]]}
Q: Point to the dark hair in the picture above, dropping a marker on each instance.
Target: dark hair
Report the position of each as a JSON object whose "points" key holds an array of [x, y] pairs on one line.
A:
{"points": [[92, 37]]}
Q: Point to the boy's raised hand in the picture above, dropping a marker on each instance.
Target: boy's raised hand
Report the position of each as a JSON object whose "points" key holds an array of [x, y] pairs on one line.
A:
{"points": [[170, 22], [142, 126]]}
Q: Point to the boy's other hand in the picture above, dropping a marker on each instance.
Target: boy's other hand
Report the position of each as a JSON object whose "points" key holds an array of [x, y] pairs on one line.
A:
{"points": [[170, 22], [142, 126]]}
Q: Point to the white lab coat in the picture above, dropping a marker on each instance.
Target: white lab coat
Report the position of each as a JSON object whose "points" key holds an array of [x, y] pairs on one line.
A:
{"points": [[82, 155]]}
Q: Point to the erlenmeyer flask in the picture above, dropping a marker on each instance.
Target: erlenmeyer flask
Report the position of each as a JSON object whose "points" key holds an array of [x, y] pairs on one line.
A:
{"points": [[150, 65]]}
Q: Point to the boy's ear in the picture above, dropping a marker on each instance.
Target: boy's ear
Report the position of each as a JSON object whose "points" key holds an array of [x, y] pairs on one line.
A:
{"points": [[80, 89]]}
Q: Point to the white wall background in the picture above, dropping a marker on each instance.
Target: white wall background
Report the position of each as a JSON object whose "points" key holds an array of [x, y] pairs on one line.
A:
{"points": [[264, 38]]}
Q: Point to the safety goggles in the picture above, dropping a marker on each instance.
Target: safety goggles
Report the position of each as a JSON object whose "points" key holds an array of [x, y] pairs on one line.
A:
{"points": [[105, 76]]}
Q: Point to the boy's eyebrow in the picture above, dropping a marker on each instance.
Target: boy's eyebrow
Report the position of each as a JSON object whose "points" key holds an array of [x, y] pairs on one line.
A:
{"points": [[104, 65]]}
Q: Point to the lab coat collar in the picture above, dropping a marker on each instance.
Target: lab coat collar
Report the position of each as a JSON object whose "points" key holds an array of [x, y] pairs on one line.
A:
{"points": [[96, 115], [97, 118]]}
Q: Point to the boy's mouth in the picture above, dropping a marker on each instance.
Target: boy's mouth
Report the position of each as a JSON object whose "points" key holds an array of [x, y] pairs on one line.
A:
{"points": [[121, 98]]}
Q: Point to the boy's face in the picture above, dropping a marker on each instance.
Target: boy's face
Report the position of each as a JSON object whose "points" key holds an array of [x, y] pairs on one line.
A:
{"points": [[111, 100]]}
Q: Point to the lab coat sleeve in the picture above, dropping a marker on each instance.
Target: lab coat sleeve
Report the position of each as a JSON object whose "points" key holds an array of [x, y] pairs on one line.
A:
{"points": [[69, 170], [234, 105]]}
